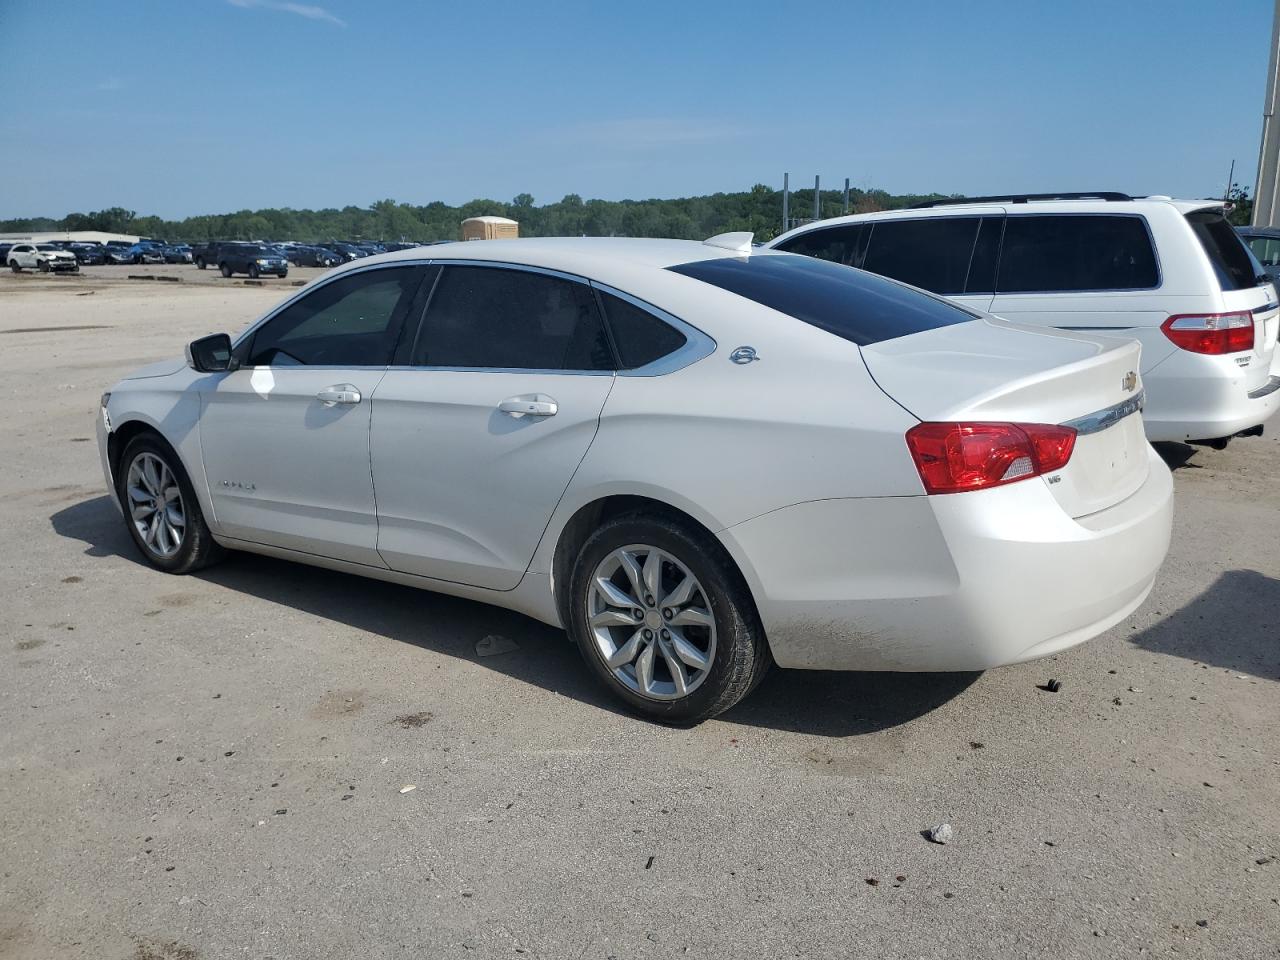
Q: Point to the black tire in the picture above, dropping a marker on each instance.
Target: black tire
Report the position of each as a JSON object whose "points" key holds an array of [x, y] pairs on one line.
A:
{"points": [[198, 548], [253, 271], [13, 265], [282, 274], [226, 270], [43, 266], [76, 268], [741, 657], [200, 263]]}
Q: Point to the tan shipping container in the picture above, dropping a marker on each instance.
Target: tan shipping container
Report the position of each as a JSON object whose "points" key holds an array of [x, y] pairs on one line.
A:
{"points": [[490, 228]]}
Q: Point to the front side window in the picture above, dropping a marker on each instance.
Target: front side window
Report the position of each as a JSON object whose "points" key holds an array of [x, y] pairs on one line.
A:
{"points": [[837, 244], [641, 338], [498, 318], [860, 307], [1052, 253], [932, 254], [351, 322]]}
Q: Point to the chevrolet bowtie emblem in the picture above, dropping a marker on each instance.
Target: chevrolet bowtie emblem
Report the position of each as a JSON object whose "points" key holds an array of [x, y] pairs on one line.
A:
{"points": [[1130, 381]]}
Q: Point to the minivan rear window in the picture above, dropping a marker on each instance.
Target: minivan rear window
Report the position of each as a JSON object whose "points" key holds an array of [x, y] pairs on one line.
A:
{"points": [[860, 307], [1231, 260]]}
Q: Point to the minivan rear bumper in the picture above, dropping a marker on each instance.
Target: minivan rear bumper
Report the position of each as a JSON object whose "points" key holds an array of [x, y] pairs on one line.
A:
{"points": [[1196, 397], [957, 582]]}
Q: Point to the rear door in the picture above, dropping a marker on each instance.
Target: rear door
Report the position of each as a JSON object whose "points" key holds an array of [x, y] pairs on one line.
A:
{"points": [[1245, 287], [477, 435]]}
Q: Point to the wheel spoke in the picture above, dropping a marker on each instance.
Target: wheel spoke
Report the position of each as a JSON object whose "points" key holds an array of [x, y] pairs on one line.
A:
{"points": [[653, 573], [138, 493], [627, 652], [152, 475], [631, 565], [678, 675], [644, 668], [153, 528], [612, 595], [171, 535], [614, 618], [689, 617], [142, 511], [173, 513], [687, 652], [681, 594]]}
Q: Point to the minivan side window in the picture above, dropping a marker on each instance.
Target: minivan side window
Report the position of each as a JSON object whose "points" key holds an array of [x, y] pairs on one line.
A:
{"points": [[837, 244], [932, 254], [351, 322], [1050, 253], [501, 318]]}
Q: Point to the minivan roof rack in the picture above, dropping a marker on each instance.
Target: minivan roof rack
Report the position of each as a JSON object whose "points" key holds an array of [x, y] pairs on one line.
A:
{"points": [[1023, 198]]}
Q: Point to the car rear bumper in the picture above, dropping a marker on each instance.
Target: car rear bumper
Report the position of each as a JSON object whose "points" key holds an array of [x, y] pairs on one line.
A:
{"points": [[1193, 397], [956, 582]]}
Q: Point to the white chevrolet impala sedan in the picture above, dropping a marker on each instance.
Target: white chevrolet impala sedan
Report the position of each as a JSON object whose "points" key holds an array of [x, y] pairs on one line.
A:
{"points": [[697, 458]]}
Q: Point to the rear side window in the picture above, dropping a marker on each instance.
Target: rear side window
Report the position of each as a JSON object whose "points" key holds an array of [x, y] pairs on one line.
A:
{"points": [[1232, 263], [837, 244], [641, 338], [1065, 252], [933, 254], [493, 317], [856, 306]]}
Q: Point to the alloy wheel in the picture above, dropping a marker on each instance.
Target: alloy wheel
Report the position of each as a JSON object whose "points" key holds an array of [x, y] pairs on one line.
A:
{"points": [[651, 622], [155, 505]]}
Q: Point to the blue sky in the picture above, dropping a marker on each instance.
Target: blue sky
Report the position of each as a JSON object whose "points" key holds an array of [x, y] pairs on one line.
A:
{"points": [[179, 108]]}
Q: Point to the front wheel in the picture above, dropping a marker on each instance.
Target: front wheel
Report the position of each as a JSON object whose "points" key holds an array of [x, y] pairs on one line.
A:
{"points": [[200, 263], [43, 266], [253, 271], [226, 270], [282, 274], [665, 620], [13, 265], [161, 509]]}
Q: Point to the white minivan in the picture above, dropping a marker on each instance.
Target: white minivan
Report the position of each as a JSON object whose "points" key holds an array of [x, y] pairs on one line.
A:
{"points": [[1172, 274]]}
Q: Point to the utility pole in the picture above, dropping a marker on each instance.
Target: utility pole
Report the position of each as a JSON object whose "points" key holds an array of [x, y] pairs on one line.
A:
{"points": [[817, 199], [786, 202], [1266, 193], [846, 196], [1231, 175]]}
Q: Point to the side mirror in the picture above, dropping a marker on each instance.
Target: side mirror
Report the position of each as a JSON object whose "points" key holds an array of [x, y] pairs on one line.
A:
{"points": [[211, 354]]}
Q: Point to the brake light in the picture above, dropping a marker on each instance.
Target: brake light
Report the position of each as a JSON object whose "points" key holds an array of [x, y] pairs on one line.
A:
{"points": [[1212, 333], [954, 457]]}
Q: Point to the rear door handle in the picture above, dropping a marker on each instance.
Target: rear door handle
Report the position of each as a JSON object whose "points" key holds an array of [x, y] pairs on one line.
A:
{"points": [[338, 393], [529, 405]]}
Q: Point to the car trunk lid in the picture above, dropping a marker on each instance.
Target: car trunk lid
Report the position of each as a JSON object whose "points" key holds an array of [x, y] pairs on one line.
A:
{"points": [[992, 370]]}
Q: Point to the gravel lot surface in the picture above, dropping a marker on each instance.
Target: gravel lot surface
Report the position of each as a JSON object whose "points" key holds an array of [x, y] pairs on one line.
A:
{"points": [[214, 766]]}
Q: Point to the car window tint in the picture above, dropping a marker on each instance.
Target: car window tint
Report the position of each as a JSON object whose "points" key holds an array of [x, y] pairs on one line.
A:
{"points": [[837, 244], [511, 319], [640, 337], [1061, 252], [986, 254], [852, 304], [1232, 262], [351, 322], [931, 254]]}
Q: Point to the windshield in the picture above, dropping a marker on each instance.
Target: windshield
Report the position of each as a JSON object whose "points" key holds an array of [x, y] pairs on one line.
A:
{"points": [[861, 307]]}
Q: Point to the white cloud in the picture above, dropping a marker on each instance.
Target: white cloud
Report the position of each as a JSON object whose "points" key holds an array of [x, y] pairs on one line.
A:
{"points": [[310, 11]]}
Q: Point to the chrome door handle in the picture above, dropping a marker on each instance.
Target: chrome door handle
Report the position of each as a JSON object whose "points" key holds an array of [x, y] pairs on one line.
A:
{"points": [[338, 393], [529, 405]]}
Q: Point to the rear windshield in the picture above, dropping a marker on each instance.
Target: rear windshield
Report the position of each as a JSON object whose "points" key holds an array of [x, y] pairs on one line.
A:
{"points": [[857, 306], [1232, 262]]}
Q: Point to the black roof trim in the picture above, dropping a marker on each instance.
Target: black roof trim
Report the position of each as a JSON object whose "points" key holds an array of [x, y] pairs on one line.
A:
{"points": [[1023, 198]]}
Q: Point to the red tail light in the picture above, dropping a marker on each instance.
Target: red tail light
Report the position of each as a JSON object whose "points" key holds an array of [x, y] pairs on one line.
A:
{"points": [[954, 457], [1213, 333]]}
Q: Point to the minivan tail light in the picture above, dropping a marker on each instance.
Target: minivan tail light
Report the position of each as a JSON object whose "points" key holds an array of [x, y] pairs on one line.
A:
{"points": [[955, 457], [1212, 333]]}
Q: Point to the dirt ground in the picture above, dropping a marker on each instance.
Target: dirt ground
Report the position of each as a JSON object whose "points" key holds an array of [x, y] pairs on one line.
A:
{"points": [[215, 766]]}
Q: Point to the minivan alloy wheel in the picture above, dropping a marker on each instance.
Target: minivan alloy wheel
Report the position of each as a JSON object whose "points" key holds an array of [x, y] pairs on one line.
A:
{"points": [[651, 622], [155, 504]]}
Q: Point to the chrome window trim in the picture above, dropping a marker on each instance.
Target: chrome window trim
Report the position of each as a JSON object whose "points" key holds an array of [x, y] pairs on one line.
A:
{"points": [[1100, 420], [697, 344]]}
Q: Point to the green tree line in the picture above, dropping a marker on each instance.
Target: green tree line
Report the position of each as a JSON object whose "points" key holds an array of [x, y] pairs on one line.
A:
{"points": [[693, 218]]}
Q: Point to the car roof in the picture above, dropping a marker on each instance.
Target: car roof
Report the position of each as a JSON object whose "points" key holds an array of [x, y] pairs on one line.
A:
{"points": [[991, 207]]}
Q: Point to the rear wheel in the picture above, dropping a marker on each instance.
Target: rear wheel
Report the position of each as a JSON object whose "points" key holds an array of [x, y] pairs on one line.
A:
{"points": [[161, 509], [664, 619], [200, 263]]}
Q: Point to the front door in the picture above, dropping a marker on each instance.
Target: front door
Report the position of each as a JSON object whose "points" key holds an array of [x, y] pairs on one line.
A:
{"points": [[285, 439], [475, 442]]}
